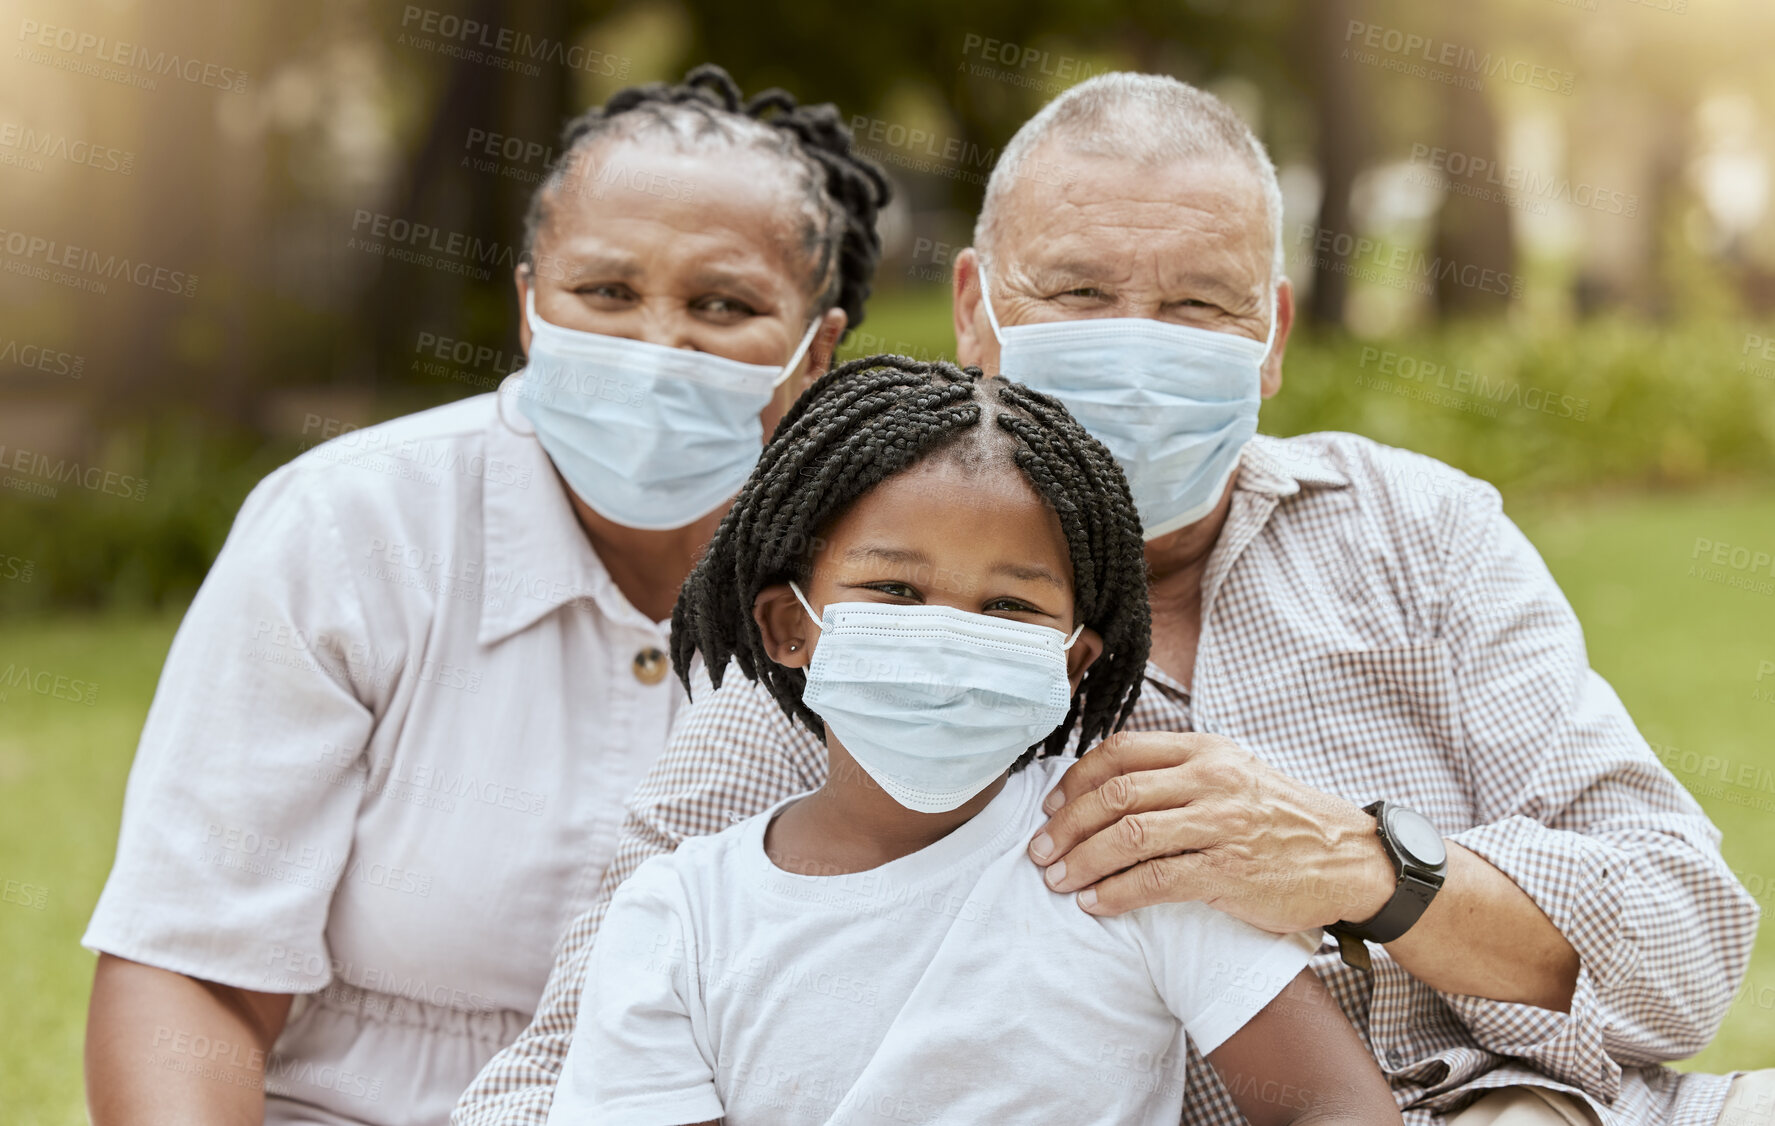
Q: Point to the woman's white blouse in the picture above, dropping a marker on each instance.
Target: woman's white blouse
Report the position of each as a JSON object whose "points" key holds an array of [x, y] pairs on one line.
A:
{"points": [[386, 762]]}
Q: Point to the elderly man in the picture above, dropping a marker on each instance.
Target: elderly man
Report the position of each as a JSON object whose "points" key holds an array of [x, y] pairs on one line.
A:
{"points": [[1368, 707]]}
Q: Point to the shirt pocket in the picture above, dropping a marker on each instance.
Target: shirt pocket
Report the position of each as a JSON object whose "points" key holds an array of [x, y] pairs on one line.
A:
{"points": [[1389, 726]]}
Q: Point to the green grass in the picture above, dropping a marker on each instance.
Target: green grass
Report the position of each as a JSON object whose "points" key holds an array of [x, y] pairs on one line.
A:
{"points": [[1682, 652], [1684, 655], [62, 770]]}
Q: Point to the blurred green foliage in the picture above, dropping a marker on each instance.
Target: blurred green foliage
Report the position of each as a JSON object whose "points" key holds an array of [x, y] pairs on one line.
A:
{"points": [[86, 548], [1662, 405], [1607, 404]]}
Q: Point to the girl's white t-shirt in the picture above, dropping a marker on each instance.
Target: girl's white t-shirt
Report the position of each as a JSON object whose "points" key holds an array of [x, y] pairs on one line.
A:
{"points": [[948, 986]]}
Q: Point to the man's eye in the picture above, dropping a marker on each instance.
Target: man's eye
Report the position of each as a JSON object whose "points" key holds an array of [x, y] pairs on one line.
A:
{"points": [[1083, 291], [610, 291]]}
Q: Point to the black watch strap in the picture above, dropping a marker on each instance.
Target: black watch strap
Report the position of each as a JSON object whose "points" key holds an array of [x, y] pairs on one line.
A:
{"points": [[1418, 883]]}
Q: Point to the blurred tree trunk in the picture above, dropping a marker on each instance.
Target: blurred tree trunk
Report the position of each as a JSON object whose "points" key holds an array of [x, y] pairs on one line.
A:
{"points": [[535, 109], [1669, 154], [161, 215], [1338, 113], [406, 298], [240, 226], [1624, 142], [1472, 234]]}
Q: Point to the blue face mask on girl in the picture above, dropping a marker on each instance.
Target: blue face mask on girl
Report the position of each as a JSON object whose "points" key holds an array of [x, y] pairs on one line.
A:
{"points": [[1175, 405], [935, 703], [648, 436]]}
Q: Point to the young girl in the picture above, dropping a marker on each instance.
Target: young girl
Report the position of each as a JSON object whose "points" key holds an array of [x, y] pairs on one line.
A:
{"points": [[941, 574]]}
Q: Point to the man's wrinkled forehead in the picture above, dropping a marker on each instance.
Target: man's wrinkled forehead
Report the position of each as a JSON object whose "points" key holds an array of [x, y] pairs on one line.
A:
{"points": [[1080, 214]]}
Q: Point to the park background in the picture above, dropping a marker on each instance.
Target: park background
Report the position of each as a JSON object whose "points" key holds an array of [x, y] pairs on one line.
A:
{"points": [[1534, 238]]}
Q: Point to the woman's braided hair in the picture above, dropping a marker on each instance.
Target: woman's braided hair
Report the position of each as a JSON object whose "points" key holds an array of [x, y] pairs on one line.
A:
{"points": [[843, 191], [870, 419]]}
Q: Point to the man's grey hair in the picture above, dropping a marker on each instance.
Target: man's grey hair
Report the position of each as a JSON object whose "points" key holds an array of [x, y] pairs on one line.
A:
{"points": [[1150, 118]]}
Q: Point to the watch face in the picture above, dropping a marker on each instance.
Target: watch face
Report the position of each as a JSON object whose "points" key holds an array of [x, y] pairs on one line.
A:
{"points": [[1414, 834]]}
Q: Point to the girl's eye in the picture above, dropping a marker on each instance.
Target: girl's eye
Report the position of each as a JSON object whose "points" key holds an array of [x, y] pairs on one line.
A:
{"points": [[894, 590], [1008, 606]]}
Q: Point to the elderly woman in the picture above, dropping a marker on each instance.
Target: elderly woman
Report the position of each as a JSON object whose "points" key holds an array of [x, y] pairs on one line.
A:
{"points": [[387, 758]]}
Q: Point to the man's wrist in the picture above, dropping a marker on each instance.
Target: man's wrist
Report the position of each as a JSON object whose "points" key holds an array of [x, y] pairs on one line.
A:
{"points": [[1373, 879]]}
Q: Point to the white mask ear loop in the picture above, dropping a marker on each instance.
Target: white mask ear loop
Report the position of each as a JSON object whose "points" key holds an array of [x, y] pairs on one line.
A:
{"points": [[499, 393], [1269, 341], [800, 351], [1073, 638], [802, 598], [986, 299]]}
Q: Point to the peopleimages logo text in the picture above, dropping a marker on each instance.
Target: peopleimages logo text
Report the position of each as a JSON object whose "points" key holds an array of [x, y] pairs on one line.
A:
{"points": [[511, 42], [91, 264], [133, 56]]}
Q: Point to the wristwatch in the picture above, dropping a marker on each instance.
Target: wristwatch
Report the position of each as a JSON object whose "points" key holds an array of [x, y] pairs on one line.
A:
{"points": [[1420, 860]]}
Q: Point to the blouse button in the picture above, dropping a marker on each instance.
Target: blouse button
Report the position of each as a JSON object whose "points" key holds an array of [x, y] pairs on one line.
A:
{"points": [[650, 666]]}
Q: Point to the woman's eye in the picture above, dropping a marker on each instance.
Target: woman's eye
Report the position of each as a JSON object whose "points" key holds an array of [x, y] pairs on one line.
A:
{"points": [[1083, 291], [726, 309], [1008, 606], [894, 590]]}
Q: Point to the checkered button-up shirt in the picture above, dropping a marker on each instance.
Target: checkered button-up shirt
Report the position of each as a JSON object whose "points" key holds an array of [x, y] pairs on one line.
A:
{"points": [[1373, 625]]}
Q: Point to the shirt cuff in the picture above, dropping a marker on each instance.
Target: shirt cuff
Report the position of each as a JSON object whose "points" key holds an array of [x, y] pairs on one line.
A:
{"points": [[1568, 877], [263, 965], [1233, 1008], [1566, 1047]]}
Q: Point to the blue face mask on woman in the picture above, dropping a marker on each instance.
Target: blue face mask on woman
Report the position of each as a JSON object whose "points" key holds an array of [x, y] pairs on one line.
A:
{"points": [[650, 437], [935, 703], [1174, 404]]}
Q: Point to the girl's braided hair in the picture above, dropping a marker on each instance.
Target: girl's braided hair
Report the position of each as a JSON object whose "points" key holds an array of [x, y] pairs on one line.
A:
{"points": [[843, 192], [862, 423]]}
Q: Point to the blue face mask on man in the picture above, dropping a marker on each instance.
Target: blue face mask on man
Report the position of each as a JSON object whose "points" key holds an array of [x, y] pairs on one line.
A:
{"points": [[1174, 404], [649, 436]]}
